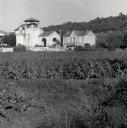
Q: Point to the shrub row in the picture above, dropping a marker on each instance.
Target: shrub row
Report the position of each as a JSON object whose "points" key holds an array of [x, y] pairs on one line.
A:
{"points": [[71, 69]]}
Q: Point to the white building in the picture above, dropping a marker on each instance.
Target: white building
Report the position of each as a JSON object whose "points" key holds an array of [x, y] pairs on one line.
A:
{"points": [[79, 38], [50, 39], [30, 34]]}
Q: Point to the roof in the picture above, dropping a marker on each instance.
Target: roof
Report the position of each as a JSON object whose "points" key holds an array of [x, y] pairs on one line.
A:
{"points": [[67, 34], [101, 34], [80, 33], [77, 33], [21, 26], [31, 20], [47, 33]]}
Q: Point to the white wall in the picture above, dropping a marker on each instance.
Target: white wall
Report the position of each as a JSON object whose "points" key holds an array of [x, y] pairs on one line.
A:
{"points": [[90, 38], [49, 39], [29, 37], [20, 39], [33, 36], [6, 49], [80, 40]]}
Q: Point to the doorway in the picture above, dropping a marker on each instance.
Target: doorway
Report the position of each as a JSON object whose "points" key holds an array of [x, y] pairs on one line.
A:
{"points": [[44, 42]]}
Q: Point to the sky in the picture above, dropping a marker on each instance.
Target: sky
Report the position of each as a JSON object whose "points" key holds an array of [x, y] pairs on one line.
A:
{"points": [[53, 12]]}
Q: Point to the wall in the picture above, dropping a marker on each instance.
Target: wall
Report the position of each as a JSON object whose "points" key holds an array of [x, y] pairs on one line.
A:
{"points": [[80, 40], [49, 39], [6, 49], [20, 39], [33, 36], [90, 38], [29, 37], [36, 49]]}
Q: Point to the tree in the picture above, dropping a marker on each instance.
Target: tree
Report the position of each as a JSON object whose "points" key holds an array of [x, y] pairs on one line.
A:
{"points": [[125, 38], [87, 45], [10, 39], [115, 39], [102, 40]]}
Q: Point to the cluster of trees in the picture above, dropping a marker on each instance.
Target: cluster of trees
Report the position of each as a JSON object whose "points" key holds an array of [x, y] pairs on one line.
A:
{"points": [[111, 23], [112, 39], [9, 40]]}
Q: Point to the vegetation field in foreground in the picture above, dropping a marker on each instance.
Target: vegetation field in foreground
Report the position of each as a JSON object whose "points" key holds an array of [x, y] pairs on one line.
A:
{"points": [[38, 103], [63, 65], [63, 90]]}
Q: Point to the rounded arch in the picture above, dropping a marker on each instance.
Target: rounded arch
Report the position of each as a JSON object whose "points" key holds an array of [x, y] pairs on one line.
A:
{"points": [[44, 42], [54, 39]]}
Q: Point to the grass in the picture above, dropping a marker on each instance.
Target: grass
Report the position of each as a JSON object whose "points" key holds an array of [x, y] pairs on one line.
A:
{"points": [[63, 103], [28, 100]]}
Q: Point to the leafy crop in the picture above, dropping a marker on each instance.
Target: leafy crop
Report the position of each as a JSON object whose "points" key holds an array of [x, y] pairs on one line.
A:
{"points": [[63, 65]]}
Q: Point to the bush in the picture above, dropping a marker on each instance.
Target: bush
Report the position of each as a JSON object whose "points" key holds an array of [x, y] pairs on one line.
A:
{"points": [[37, 45], [19, 48], [87, 45], [78, 48]]}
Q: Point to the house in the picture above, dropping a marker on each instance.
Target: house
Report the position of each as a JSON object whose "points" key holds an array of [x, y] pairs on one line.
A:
{"points": [[27, 34], [50, 39], [31, 35], [79, 38]]}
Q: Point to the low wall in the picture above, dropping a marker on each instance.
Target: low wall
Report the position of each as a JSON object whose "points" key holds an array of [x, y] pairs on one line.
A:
{"points": [[6, 49], [36, 49]]}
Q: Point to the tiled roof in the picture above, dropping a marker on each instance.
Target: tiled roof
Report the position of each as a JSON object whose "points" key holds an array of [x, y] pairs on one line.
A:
{"points": [[77, 33], [80, 33], [67, 34], [21, 26], [46, 33], [31, 20], [101, 34]]}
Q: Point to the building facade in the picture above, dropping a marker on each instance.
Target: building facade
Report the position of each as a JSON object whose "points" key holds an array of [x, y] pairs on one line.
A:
{"points": [[30, 34], [79, 38], [50, 39]]}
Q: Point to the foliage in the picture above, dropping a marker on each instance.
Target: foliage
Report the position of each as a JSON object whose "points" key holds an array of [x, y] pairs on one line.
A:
{"points": [[38, 45], [87, 45], [19, 48], [65, 65], [91, 103], [78, 48], [10, 39], [98, 24], [115, 39]]}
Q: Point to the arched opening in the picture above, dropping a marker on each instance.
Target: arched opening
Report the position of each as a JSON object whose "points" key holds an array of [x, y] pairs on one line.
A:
{"points": [[44, 42], [56, 42], [54, 39]]}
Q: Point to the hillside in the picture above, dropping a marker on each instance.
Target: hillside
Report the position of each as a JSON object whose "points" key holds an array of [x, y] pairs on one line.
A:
{"points": [[112, 23]]}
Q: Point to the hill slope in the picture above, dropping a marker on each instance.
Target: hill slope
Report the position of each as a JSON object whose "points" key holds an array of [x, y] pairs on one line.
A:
{"points": [[111, 23]]}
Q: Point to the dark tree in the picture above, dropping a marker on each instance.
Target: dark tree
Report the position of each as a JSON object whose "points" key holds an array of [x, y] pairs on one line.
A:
{"points": [[115, 39], [10, 39]]}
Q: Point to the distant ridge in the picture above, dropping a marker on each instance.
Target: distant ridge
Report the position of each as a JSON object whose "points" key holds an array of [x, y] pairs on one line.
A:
{"points": [[112, 23]]}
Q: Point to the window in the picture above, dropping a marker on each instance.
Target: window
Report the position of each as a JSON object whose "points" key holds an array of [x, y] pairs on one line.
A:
{"points": [[74, 39], [82, 38]]}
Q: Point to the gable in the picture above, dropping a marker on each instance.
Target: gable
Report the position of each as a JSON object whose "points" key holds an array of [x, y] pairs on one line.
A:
{"points": [[90, 33], [49, 34]]}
